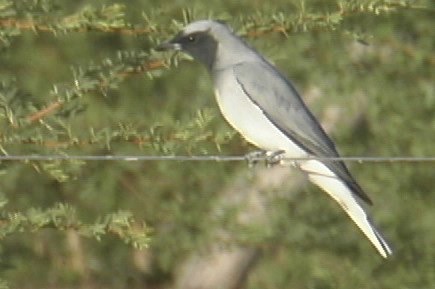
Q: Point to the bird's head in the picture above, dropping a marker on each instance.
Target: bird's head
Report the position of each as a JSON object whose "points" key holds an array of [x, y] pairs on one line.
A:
{"points": [[199, 39]]}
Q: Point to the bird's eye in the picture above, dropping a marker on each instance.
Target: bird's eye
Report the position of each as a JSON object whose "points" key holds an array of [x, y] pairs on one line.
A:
{"points": [[191, 38]]}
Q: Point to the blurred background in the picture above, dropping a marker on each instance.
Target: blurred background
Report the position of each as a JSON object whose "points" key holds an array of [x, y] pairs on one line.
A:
{"points": [[82, 78]]}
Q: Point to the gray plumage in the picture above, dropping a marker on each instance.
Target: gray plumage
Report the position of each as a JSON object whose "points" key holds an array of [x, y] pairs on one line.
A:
{"points": [[261, 104]]}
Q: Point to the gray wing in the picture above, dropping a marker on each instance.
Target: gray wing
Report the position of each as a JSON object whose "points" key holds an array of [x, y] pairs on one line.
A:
{"points": [[283, 106]]}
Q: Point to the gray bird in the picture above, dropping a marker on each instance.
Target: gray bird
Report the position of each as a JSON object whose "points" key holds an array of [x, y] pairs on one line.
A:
{"points": [[265, 108]]}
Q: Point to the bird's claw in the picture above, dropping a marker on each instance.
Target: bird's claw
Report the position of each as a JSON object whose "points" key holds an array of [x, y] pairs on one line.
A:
{"points": [[274, 157], [271, 158], [254, 157]]}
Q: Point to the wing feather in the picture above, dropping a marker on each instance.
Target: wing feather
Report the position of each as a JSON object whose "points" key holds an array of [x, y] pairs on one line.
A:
{"points": [[286, 109]]}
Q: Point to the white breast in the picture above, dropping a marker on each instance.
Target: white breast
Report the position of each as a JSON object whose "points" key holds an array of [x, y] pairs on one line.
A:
{"points": [[248, 119]]}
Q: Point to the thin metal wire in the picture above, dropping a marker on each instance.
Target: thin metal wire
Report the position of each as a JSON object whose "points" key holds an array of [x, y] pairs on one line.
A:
{"points": [[215, 158]]}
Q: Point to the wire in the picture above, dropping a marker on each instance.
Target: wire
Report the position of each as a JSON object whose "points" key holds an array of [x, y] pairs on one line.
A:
{"points": [[215, 158]]}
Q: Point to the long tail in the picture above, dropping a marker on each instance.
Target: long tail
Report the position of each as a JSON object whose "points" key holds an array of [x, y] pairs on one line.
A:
{"points": [[323, 177]]}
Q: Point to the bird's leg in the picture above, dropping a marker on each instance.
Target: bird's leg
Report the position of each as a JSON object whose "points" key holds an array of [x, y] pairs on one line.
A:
{"points": [[271, 158], [255, 156], [274, 157]]}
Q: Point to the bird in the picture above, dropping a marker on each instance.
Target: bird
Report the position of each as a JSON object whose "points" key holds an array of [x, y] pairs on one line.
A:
{"points": [[259, 102]]}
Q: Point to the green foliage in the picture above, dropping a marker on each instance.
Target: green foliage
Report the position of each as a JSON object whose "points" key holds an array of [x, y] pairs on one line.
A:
{"points": [[63, 217], [82, 78]]}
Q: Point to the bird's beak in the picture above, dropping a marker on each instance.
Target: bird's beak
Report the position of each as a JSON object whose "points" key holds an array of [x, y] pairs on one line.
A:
{"points": [[169, 45]]}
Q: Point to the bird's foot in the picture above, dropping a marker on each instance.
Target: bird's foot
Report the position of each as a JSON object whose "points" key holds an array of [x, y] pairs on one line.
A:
{"points": [[254, 157], [271, 158], [274, 157]]}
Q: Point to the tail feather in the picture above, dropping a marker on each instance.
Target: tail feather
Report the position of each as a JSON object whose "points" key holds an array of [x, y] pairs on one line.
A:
{"points": [[323, 177]]}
